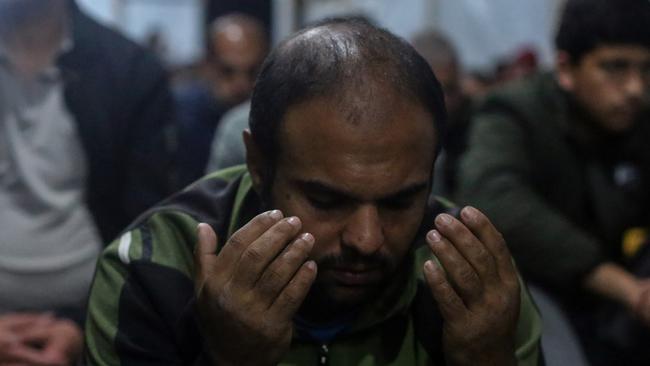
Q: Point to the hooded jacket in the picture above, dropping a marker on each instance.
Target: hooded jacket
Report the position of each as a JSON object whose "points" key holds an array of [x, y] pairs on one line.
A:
{"points": [[142, 305]]}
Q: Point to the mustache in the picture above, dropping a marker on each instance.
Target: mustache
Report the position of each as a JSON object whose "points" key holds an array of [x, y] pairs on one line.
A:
{"points": [[356, 261]]}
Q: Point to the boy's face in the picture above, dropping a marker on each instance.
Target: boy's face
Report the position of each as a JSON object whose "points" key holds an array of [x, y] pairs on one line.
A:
{"points": [[612, 82]]}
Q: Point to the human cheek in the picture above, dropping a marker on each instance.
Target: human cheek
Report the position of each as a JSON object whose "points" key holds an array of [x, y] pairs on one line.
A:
{"points": [[326, 236], [401, 234]]}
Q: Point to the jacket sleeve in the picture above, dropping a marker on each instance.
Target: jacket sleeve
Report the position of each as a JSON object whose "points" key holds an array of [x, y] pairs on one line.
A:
{"points": [[529, 331], [141, 306], [149, 171], [496, 175]]}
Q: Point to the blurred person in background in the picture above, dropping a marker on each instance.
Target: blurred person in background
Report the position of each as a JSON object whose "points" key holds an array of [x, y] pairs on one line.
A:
{"points": [[443, 59], [84, 148], [522, 64], [476, 84], [237, 45], [228, 144], [561, 163]]}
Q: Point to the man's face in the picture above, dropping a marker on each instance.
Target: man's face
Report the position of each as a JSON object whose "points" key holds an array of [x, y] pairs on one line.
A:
{"points": [[612, 83], [237, 57], [359, 187]]}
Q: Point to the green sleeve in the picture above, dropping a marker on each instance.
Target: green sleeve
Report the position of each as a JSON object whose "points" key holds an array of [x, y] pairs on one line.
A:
{"points": [[529, 331], [103, 306], [139, 310]]}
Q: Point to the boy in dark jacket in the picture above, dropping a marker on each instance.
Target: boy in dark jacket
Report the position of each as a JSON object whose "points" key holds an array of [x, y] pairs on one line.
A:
{"points": [[561, 163]]}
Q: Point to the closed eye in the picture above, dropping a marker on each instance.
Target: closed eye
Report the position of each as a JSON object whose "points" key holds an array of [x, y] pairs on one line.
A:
{"points": [[323, 197], [324, 203], [397, 204]]}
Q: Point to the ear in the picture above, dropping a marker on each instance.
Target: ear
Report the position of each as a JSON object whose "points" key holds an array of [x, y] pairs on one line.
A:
{"points": [[565, 71], [256, 162]]}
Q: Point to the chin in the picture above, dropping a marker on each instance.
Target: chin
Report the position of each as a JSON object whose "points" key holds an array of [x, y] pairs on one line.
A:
{"points": [[334, 299], [351, 296], [619, 126]]}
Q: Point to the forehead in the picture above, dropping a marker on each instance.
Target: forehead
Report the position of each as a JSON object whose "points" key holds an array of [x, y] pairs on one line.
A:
{"points": [[379, 151], [237, 45], [631, 53]]}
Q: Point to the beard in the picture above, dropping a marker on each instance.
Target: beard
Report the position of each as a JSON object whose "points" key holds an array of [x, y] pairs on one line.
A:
{"points": [[330, 299]]}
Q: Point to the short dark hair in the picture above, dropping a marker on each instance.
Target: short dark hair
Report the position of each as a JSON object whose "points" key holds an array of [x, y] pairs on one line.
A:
{"points": [[588, 24], [329, 58]]}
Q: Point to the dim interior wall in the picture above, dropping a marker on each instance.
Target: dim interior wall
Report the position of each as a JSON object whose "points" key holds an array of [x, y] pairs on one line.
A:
{"points": [[483, 31], [179, 23]]}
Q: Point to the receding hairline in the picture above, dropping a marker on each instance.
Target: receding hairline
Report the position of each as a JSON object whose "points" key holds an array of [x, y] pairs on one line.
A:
{"points": [[333, 58], [325, 33], [359, 75]]}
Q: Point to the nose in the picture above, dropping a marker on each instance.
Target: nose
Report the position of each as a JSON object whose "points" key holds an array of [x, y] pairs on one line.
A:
{"points": [[636, 85], [363, 231]]}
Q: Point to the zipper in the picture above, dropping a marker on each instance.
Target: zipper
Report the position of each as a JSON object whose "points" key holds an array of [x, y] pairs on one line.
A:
{"points": [[323, 354]]}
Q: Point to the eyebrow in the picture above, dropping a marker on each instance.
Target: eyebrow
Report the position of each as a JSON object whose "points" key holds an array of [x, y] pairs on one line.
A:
{"points": [[324, 188]]}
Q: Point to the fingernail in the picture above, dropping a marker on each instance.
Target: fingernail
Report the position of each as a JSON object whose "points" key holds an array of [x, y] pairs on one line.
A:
{"points": [[307, 237], [311, 265], [428, 265], [433, 236], [293, 220], [443, 219], [275, 214], [469, 213]]}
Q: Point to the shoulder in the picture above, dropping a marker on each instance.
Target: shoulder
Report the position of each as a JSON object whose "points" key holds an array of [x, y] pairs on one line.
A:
{"points": [[142, 293], [160, 243], [233, 123], [96, 44], [537, 95], [220, 199], [164, 238], [533, 108], [237, 117], [525, 89]]}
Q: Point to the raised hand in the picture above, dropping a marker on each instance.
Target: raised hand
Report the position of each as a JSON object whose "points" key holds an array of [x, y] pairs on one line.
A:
{"points": [[248, 293], [640, 303], [477, 292]]}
